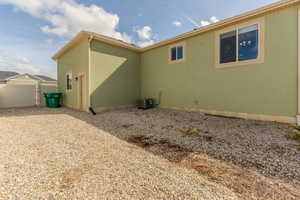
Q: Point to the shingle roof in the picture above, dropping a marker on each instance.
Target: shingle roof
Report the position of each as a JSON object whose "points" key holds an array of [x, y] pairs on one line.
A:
{"points": [[45, 78], [6, 74]]}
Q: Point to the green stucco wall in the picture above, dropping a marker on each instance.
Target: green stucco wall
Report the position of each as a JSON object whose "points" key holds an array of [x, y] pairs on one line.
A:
{"points": [[75, 61], [269, 88], [120, 77], [115, 76]]}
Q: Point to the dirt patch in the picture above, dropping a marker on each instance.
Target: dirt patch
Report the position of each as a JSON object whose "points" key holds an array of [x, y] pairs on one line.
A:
{"points": [[162, 147], [191, 132], [247, 183], [72, 176], [294, 135], [140, 140], [127, 125]]}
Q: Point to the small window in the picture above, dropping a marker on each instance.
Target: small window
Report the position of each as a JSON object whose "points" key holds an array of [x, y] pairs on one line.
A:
{"points": [[243, 44], [69, 81], [177, 53]]}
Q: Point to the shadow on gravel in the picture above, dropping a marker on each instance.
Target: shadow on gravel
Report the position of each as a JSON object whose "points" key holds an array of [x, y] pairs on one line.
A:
{"points": [[245, 156], [247, 183]]}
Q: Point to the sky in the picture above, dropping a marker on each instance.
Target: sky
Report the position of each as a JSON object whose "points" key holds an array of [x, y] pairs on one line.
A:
{"points": [[32, 31]]}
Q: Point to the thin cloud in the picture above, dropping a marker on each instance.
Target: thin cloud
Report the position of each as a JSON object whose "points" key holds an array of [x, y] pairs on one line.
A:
{"points": [[212, 19], [177, 23], [193, 22], [204, 23], [10, 61], [66, 18]]}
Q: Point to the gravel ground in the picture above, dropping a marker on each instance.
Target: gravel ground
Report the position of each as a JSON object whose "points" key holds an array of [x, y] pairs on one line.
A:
{"points": [[56, 154], [134, 154], [252, 144]]}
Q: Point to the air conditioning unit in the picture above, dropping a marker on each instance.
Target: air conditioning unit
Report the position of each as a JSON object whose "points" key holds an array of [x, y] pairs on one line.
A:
{"points": [[146, 104]]}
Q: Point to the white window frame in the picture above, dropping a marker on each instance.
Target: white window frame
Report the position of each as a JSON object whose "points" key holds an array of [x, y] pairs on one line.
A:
{"points": [[261, 44], [182, 44], [69, 73]]}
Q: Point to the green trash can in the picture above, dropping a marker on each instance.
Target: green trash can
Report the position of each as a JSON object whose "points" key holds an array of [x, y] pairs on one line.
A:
{"points": [[52, 100]]}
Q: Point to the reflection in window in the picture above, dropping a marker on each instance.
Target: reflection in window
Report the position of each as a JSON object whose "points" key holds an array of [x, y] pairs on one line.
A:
{"points": [[239, 45], [248, 43], [228, 47]]}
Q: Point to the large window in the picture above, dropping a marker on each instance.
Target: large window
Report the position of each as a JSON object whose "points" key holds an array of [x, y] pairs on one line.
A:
{"points": [[241, 45], [177, 53], [69, 81]]}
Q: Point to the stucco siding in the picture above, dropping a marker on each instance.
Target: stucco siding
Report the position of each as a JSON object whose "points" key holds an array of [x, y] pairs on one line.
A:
{"points": [[115, 76], [75, 61], [269, 88]]}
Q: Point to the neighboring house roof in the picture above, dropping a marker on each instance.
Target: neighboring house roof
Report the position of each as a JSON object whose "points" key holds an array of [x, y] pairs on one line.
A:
{"points": [[226, 22], [4, 75], [45, 78], [7, 75], [22, 75]]}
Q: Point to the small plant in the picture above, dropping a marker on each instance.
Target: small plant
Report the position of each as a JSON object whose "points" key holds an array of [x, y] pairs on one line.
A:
{"points": [[294, 136], [297, 128], [257, 123]]}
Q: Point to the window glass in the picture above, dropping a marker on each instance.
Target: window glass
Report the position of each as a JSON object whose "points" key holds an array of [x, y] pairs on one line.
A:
{"points": [[248, 43], [228, 47], [173, 53], [179, 52]]}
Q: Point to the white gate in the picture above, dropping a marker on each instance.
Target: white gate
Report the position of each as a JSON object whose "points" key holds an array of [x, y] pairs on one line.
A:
{"points": [[18, 95]]}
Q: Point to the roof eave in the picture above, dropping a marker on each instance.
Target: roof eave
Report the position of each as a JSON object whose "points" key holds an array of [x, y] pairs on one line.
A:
{"points": [[87, 34], [69, 45]]}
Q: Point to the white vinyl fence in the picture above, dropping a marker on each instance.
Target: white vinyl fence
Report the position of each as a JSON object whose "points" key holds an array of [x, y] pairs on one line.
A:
{"points": [[23, 95]]}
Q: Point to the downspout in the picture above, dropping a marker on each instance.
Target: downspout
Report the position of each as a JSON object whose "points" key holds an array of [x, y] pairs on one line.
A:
{"points": [[298, 76], [89, 72], [37, 94]]}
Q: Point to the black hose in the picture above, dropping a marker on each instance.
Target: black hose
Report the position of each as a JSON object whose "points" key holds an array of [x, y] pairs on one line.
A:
{"points": [[92, 111]]}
